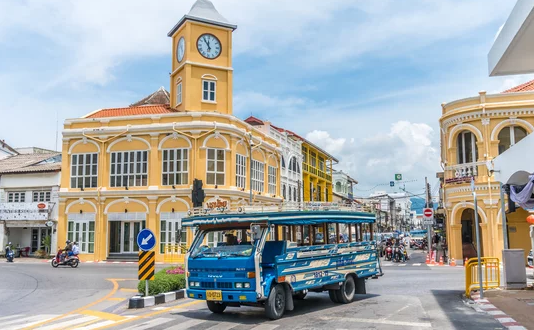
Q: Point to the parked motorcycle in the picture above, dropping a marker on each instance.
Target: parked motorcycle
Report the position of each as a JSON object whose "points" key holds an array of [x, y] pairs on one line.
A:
{"points": [[9, 254], [59, 260]]}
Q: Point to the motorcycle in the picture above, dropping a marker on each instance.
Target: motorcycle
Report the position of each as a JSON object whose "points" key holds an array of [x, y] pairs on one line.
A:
{"points": [[389, 253], [396, 254], [403, 254], [60, 260], [9, 254]]}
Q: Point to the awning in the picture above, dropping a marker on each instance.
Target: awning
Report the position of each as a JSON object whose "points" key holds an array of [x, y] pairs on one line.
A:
{"points": [[515, 164], [513, 49]]}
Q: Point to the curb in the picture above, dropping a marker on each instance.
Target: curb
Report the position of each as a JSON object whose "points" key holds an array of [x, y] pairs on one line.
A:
{"points": [[483, 305], [142, 302]]}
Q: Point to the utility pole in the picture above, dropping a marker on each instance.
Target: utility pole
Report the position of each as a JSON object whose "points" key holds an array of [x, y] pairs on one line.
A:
{"points": [[429, 227]]}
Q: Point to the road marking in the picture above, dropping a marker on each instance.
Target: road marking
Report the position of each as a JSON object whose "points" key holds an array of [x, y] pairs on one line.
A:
{"points": [[160, 308], [401, 265], [98, 325], [70, 323], [103, 315], [9, 317], [417, 264], [186, 325], [265, 327], [149, 324], [129, 290], [28, 321], [116, 299], [354, 319], [223, 326]]}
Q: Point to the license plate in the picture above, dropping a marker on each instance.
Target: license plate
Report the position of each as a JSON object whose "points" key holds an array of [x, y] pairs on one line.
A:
{"points": [[214, 295]]}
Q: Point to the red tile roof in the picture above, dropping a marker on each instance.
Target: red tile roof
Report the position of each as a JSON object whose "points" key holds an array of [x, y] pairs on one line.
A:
{"points": [[132, 111], [526, 87]]}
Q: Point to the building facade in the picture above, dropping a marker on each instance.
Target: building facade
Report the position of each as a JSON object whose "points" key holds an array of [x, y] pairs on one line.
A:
{"points": [[131, 168], [317, 169], [29, 185], [473, 132], [343, 187], [291, 178]]}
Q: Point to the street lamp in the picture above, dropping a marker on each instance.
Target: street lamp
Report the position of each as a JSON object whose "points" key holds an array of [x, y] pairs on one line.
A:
{"points": [[250, 145]]}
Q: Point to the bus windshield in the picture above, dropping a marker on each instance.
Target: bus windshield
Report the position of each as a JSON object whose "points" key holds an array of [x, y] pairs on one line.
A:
{"points": [[222, 243]]}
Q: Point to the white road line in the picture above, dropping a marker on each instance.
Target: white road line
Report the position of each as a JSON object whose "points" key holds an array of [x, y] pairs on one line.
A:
{"points": [[186, 325], [3, 318], [387, 265], [401, 265], [379, 321], [160, 308], [223, 326], [265, 327], [27, 321], [149, 324], [69, 323], [418, 264], [97, 325]]}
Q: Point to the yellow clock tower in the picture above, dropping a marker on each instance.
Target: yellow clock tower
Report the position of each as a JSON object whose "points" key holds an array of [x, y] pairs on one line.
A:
{"points": [[201, 78]]}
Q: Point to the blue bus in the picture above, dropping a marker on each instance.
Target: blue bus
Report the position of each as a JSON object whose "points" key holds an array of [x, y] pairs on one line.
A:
{"points": [[269, 259]]}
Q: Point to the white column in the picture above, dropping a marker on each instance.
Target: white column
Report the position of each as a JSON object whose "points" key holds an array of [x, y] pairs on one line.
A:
{"points": [[3, 238]]}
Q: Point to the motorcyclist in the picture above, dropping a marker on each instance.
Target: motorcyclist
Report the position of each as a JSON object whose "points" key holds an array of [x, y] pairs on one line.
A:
{"points": [[9, 247], [67, 252]]}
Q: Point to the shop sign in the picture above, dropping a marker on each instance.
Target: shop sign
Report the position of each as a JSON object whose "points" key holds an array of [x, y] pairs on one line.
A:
{"points": [[23, 211], [217, 204]]}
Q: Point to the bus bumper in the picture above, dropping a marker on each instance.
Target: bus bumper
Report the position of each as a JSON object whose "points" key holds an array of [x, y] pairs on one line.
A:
{"points": [[227, 296]]}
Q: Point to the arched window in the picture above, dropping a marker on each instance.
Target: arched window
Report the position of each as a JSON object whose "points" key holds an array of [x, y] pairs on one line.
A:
{"points": [[294, 194], [509, 136], [467, 148], [298, 168], [338, 187], [284, 192], [290, 194], [283, 162]]}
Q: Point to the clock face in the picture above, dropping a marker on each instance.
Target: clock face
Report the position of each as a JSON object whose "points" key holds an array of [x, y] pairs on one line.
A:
{"points": [[180, 51], [209, 46]]}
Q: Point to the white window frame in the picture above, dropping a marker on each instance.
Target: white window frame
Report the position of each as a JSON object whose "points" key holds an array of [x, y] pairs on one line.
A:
{"points": [[240, 171], [16, 197], [179, 94], [215, 172], [173, 233], [272, 173], [258, 176], [41, 196], [87, 178], [76, 233], [463, 151], [141, 175], [180, 167], [210, 91]]}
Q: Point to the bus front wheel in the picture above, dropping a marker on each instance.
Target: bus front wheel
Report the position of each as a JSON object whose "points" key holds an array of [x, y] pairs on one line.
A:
{"points": [[216, 307], [276, 303]]}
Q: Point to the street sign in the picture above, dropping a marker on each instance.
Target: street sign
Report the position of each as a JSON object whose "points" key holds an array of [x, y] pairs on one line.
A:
{"points": [[428, 213], [427, 222], [49, 223], [146, 240], [392, 183], [398, 177], [147, 265]]}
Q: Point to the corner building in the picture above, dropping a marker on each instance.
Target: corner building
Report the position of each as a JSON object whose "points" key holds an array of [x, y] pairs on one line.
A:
{"points": [[473, 132], [131, 168]]}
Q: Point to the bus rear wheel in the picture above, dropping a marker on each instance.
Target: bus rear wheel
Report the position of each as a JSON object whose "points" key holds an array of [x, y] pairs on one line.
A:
{"points": [[216, 307], [345, 294], [333, 295]]}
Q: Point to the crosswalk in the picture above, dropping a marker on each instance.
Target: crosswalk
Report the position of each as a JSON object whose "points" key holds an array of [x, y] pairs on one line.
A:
{"points": [[52, 322], [79, 321]]}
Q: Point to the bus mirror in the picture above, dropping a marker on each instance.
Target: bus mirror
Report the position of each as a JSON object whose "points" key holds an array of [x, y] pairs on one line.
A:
{"points": [[256, 232]]}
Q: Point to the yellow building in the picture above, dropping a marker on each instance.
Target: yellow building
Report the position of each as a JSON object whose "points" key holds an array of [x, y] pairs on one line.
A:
{"points": [[130, 168], [316, 173], [474, 131]]}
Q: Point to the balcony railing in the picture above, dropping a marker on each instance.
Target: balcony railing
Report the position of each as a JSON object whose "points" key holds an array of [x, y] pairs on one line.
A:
{"points": [[315, 171], [462, 173], [25, 211]]}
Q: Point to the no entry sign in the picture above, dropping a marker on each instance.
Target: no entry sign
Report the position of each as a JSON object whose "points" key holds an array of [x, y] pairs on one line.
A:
{"points": [[428, 213]]}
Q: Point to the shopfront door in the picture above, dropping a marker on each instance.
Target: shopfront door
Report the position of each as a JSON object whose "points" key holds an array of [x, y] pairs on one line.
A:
{"points": [[123, 236]]}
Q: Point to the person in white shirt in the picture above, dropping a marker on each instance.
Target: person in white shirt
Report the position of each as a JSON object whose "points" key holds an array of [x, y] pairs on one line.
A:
{"points": [[75, 249]]}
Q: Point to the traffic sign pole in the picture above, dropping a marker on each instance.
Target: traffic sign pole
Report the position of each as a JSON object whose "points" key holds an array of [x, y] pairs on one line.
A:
{"points": [[146, 240]]}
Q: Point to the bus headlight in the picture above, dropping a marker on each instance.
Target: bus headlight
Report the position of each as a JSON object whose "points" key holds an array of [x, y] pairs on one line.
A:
{"points": [[197, 284], [246, 285], [239, 285]]}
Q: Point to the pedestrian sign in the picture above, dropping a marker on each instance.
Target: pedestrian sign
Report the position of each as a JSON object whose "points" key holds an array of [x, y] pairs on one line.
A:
{"points": [[398, 177], [146, 240], [392, 183], [147, 265]]}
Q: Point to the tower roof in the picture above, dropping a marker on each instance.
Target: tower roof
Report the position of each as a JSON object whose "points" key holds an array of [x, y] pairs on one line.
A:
{"points": [[161, 96], [203, 11]]}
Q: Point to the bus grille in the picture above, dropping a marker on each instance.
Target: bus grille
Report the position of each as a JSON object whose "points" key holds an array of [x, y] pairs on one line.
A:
{"points": [[220, 285]]}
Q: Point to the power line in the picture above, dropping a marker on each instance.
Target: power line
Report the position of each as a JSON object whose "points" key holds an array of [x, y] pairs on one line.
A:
{"points": [[385, 184]]}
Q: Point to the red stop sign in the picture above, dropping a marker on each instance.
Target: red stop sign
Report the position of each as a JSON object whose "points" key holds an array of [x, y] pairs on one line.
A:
{"points": [[428, 213]]}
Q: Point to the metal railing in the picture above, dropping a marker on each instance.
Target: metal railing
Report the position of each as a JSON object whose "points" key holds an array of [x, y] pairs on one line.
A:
{"points": [[491, 274], [174, 253], [282, 207], [462, 173]]}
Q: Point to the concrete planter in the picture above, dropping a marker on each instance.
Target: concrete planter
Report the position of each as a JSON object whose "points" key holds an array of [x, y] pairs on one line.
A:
{"points": [[142, 302]]}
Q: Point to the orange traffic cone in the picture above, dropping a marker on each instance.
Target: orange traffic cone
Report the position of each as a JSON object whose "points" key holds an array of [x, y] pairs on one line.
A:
{"points": [[427, 259], [452, 263], [465, 262], [441, 261]]}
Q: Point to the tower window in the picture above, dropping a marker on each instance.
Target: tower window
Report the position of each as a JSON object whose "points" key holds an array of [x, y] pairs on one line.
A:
{"points": [[208, 90], [179, 94]]}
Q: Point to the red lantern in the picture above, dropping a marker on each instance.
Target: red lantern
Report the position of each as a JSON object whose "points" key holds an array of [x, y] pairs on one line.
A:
{"points": [[530, 219]]}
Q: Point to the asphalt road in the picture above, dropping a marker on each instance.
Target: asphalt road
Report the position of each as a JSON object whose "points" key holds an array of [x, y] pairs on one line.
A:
{"points": [[408, 296]]}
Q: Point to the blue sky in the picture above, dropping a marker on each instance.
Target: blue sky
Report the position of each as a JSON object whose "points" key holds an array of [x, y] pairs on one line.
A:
{"points": [[363, 79]]}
